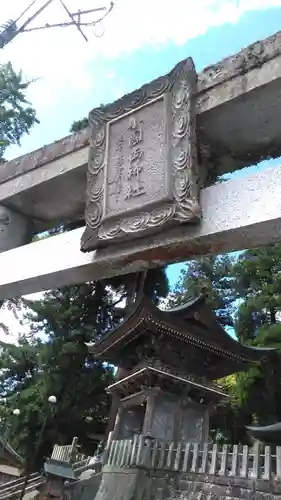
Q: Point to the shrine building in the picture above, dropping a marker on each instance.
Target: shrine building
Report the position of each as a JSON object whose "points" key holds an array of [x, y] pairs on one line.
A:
{"points": [[169, 362]]}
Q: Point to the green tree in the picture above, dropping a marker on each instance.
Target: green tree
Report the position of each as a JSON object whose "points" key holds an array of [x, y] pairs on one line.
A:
{"points": [[257, 323], [55, 360], [82, 123], [228, 422], [79, 125], [213, 274], [17, 117], [251, 286], [59, 364], [258, 283]]}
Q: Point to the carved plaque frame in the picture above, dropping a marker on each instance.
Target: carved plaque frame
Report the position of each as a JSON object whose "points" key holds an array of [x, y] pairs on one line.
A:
{"points": [[179, 201]]}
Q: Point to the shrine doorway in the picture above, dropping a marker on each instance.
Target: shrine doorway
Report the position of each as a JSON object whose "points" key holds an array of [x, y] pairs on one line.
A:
{"points": [[132, 421]]}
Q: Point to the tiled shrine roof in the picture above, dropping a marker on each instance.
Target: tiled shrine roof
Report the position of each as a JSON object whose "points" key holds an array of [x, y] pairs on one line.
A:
{"points": [[193, 324]]}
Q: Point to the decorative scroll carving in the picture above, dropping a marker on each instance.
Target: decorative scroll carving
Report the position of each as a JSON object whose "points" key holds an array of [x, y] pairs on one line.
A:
{"points": [[143, 169]]}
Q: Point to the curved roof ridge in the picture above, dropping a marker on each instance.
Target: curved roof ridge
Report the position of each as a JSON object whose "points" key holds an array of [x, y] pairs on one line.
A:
{"points": [[212, 334], [264, 428], [254, 348], [192, 301]]}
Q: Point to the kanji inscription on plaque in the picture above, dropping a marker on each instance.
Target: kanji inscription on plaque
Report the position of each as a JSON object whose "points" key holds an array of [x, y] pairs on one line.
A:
{"points": [[143, 169], [135, 167]]}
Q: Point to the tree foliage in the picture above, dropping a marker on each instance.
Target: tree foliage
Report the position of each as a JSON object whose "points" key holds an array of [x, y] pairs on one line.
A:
{"points": [[79, 125], [245, 292], [17, 117], [82, 123], [54, 359], [213, 274], [258, 283], [257, 323]]}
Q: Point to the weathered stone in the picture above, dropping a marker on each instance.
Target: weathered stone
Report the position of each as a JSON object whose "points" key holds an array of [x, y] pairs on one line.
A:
{"points": [[15, 229], [241, 213], [128, 484], [84, 489], [143, 170], [238, 108], [45, 155]]}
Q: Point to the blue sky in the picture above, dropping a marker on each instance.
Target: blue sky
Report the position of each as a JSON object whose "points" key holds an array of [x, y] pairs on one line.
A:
{"points": [[142, 41], [70, 83]]}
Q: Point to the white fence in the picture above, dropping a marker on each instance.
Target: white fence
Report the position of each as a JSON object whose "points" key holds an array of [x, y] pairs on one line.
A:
{"points": [[68, 453], [260, 462]]}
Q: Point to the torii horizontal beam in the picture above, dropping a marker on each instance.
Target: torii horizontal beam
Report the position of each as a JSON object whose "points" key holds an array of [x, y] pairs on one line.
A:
{"points": [[241, 213], [238, 115]]}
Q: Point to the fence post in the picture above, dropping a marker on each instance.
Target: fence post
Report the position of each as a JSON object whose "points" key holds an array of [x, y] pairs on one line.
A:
{"points": [[110, 455], [235, 458], [124, 452], [140, 450], [107, 449], [120, 446], [205, 456], [148, 443], [244, 465], [73, 449], [194, 457], [224, 457], [134, 450], [186, 457], [178, 457], [214, 458], [154, 454], [162, 453], [267, 463], [170, 455], [116, 452], [256, 461], [278, 463]]}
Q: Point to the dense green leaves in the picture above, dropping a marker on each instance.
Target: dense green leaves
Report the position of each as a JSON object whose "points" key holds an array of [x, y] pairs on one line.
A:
{"points": [[17, 117], [214, 274], [54, 359], [58, 363], [258, 283], [79, 125], [246, 294]]}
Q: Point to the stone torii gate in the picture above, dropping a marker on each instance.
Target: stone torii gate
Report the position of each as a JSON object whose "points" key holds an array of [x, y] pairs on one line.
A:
{"points": [[148, 186]]}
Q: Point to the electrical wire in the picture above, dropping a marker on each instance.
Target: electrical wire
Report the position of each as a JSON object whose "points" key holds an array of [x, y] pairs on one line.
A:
{"points": [[101, 19], [25, 11], [20, 16], [12, 25], [73, 22]]}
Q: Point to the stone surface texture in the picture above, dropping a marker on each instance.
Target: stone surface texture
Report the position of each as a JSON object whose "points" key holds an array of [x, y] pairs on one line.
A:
{"points": [[85, 489], [143, 170], [241, 213], [42, 156], [238, 107], [133, 484], [15, 229], [211, 488]]}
